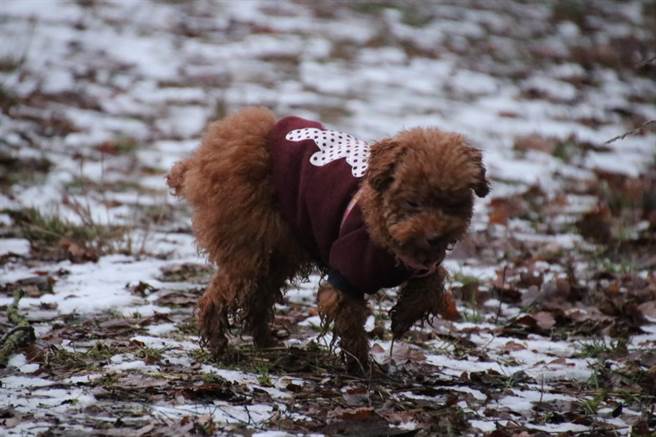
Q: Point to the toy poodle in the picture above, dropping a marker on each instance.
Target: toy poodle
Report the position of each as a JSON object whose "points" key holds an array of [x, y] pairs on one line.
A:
{"points": [[273, 199]]}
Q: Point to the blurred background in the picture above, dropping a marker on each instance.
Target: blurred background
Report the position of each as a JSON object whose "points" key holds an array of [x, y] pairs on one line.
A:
{"points": [[99, 98]]}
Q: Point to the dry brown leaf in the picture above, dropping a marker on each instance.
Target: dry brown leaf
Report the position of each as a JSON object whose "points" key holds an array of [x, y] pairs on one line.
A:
{"points": [[596, 224], [448, 309], [648, 309], [512, 346], [352, 414], [503, 208], [544, 320], [535, 142]]}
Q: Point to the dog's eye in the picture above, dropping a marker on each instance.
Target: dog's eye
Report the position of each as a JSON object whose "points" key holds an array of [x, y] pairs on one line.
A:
{"points": [[411, 205], [454, 207]]}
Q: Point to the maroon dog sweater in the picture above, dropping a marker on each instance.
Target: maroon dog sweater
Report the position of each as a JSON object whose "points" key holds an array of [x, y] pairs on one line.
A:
{"points": [[316, 173]]}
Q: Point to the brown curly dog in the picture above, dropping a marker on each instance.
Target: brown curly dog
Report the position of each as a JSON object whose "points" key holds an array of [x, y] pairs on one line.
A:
{"points": [[273, 198]]}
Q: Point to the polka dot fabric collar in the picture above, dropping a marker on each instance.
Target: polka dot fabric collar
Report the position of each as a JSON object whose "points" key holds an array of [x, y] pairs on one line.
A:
{"points": [[334, 145]]}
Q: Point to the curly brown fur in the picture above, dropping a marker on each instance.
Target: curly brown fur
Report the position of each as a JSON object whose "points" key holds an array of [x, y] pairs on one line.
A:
{"points": [[417, 201], [249, 240], [348, 316], [417, 198]]}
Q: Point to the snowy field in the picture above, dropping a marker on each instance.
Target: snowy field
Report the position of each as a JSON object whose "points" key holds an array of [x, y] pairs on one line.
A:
{"points": [[555, 284]]}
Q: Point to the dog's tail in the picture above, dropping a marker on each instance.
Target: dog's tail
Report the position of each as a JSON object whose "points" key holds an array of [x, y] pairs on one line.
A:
{"points": [[242, 133], [175, 178]]}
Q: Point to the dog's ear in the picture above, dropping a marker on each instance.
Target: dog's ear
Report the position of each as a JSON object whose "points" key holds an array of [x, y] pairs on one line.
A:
{"points": [[482, 187], [384, 158], [480, 184]]}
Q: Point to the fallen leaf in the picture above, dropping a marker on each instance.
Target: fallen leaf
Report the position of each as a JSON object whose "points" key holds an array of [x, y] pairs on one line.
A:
{"points": [[529, 278], [560, 362], [354, 414], [503, 208], [141, 288], [512, 346], [544, 320], [448, 308], [596, 224], [648, 309], [535, 142]]}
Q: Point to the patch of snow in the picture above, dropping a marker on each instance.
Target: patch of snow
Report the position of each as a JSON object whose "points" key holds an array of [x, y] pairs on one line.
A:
{"points": [[144, 310], [19, 361], [312, 322], [13, 381], [409, 425], [161, 329], [477, 394], [82, 379], [220, 412], [165, 343], [487, 425], [131, 365], [523, 400], [227, 374], [483, 273], [558, 428], [18, 246], [93, 287]]}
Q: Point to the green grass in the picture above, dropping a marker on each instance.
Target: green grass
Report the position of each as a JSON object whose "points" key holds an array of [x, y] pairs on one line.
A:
{"points": [[212, 378], [91, 359], [263, 377], [188, 327], [621, 267], [120, 146], [590, 407], [472, 315], [465, 280], [411, 14], [599, 347], [149, 355], [21, 171], [570, 10], [7, 99], [201, 355], [46, 231], [82, 184], [565, 150], [10, 63]]}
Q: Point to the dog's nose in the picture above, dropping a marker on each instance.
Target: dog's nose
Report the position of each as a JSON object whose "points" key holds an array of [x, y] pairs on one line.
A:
{"points": [[434, 242]]}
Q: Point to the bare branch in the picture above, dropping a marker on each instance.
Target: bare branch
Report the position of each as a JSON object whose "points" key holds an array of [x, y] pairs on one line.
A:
{"points": [[635, 131]]}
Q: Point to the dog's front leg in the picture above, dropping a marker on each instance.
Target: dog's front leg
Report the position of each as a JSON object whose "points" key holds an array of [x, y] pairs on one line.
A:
{"points": [[419, 298], [348, 315]]}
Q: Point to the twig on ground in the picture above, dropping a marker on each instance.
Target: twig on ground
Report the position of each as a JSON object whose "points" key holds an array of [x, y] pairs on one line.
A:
{"points": [[635, 131], [646, 62]]}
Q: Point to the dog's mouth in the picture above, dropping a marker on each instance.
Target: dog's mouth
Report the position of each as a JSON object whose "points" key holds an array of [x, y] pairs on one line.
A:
{"points": [[425, 256]]}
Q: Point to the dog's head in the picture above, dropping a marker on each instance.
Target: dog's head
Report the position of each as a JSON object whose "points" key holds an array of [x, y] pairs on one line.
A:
{"points": [[418, 193]]}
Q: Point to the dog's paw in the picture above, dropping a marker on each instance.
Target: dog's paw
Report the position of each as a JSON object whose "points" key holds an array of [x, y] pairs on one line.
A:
{"points": [[402, 321], [213, 326]]}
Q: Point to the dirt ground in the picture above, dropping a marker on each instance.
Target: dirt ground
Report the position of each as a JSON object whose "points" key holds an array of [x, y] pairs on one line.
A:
{"points": [[555, 284]]}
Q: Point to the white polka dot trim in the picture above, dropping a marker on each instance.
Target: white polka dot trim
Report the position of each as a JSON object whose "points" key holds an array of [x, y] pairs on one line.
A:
{"points": [[334, 145]]}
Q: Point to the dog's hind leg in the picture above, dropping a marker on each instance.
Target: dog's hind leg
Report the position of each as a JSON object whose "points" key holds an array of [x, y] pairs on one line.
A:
{"points": [[257, 304], [218, 301], [258, 310], [246, 292]]}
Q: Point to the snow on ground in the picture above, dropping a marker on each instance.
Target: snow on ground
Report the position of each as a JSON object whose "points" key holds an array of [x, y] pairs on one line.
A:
{"points": [[99, 99]]}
